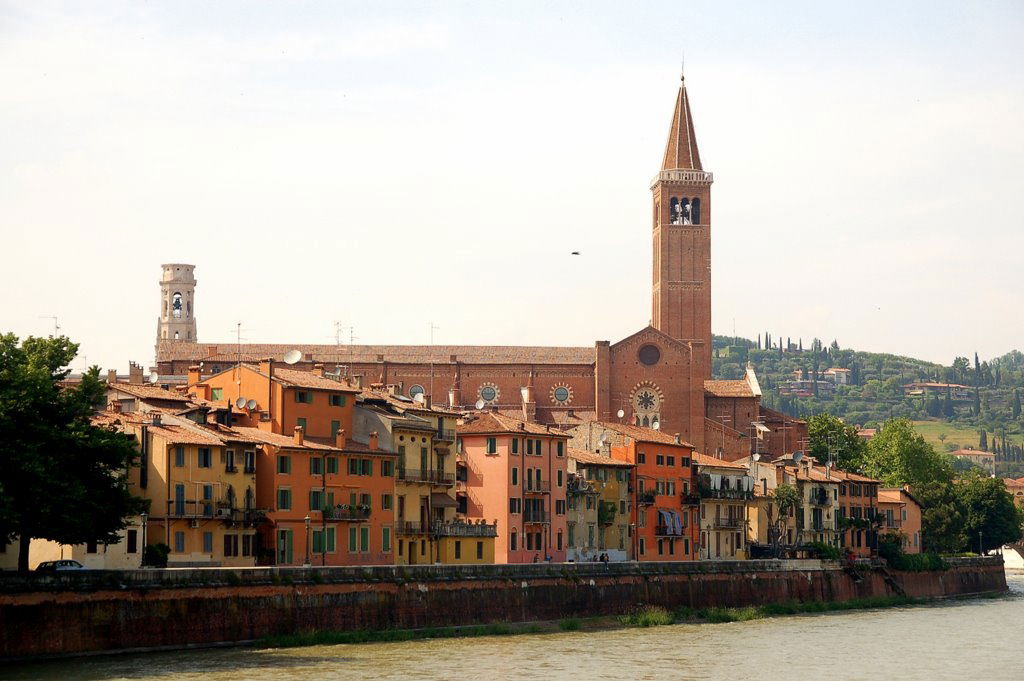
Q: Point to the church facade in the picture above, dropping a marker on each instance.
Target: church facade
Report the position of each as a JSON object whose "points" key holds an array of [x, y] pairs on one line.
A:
{"points": [[659, 376]]}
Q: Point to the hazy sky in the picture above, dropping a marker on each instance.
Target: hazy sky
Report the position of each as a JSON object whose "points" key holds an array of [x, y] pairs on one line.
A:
{"points": [[391, 164]]}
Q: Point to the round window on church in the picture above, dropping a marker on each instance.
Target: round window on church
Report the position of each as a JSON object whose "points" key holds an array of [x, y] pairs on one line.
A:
{"points": [[488, 392], [649, 355], [415, 390], [561, 393]]}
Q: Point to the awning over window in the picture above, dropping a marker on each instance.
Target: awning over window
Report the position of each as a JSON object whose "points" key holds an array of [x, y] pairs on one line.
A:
{"points": [[439, 500]]}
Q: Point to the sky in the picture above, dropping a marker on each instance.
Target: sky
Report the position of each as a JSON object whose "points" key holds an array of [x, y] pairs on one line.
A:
{"points": [[392, 166]]}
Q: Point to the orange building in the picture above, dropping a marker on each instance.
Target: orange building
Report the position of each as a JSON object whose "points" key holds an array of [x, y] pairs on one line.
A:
{"points": [[329, 504], [278, 399], [665, 501], [858, 506], [902, 515], [515, 473]]}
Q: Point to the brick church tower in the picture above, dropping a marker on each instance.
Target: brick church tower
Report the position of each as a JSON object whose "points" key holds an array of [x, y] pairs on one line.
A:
{"points": [[681, 291]]}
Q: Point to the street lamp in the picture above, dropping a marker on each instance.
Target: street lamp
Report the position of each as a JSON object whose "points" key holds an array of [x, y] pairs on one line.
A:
{"points": [[307, 540]]}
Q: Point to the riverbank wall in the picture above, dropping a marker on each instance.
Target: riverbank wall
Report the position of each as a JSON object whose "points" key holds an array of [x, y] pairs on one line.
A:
{"points": [[70, 613]]}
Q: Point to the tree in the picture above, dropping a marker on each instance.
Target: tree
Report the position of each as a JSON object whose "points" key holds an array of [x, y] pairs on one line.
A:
{"points": [[828, 433], [983, 440], [1016, 404], [64, 479], [897, 455], [942, 517], [786, 499], [989, 510]]}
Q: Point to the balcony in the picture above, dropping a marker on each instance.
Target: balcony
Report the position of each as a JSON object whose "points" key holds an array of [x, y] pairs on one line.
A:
{"points": [[347, 513], [444, 435], [230, 468], [427, 477], [407, 527], [820, 497], [707, 492], [668, 531], [465, 529], [532, 516], [193, 509], [690, 498], [646, 497], [250, 469], [537, 486], [728, 523]]}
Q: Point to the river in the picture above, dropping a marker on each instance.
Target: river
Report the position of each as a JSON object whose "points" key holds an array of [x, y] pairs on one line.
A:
{"points": [[975, 638]]}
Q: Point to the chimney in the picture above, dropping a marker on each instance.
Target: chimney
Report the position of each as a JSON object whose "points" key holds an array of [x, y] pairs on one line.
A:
{"points": [[318, 369], [155, 417], [134, 373], [357, 381], [111, 376], [679, 439], [426, 401], [115, 406], [298, 435], [373, 440], [194, 375], [340, 439], [267, 366]]}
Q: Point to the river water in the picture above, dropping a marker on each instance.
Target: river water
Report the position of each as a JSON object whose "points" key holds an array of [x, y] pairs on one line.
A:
{"points": [[964, 639]]}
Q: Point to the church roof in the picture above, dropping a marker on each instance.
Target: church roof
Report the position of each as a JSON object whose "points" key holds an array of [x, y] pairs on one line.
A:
{"points": [[738, 388], [398, 354], [681, 151]]}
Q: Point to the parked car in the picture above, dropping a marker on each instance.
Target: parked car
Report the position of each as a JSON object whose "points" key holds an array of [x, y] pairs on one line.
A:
{"points": [[59, 565]]}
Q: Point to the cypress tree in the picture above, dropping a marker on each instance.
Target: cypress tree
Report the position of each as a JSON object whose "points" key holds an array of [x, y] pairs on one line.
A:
{"points": [[983, 440], [1016, 403]]}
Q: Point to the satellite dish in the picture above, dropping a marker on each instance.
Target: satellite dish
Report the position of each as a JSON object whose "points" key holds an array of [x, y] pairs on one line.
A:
{"points": [[419, 397], [480, 404], [292, 356], [250, 405], [756, 457], [656, 425], [154, 377], [240, 403], [620, 413], [798, 457], [601, 440]]}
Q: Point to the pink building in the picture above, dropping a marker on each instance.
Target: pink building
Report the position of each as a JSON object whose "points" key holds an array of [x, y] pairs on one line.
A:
{"points": [[514, 472]]}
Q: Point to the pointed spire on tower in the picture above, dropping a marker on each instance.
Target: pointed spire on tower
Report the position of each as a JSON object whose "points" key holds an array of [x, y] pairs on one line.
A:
{"points": [[681, 151]]}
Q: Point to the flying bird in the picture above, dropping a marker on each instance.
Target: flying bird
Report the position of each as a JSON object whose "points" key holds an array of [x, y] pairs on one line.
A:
{"points": [[575, 252]]}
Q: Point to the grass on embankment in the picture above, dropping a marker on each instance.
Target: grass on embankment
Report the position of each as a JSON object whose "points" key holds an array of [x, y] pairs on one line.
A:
{"points": [[653, 615], [648, 616]]}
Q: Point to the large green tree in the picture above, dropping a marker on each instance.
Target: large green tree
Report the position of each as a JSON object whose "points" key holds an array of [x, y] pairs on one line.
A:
{"points": [[828, 433], [942, 516], [991, 519], [897, 455], [63, 478]]}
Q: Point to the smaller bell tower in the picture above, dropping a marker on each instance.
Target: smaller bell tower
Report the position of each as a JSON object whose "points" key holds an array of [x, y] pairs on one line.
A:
{"points": [[177, 304]]}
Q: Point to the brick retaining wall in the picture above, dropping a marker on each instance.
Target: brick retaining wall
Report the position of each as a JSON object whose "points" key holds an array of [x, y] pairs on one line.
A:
{"points": [[68, 613]]}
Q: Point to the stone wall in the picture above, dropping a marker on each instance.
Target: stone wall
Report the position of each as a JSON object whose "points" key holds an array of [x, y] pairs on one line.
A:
{"points": [[70, 613]]}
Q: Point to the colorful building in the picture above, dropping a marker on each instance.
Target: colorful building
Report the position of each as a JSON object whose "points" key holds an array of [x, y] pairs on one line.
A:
{"points": [[817, 516], [665, 502], [327, 504], [428, 528], [858, 508], [515, 476], [600, 507], [726, 492], [901, 515], [200, 480]]}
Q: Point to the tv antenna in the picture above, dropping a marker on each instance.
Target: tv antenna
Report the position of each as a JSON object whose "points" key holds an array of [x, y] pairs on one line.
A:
{"points": [[338, 328], [432, 329], [56, 326]]}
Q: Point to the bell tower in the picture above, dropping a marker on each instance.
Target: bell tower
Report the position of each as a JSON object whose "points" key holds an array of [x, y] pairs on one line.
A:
{"points": [[681, 291], [177, 304]]}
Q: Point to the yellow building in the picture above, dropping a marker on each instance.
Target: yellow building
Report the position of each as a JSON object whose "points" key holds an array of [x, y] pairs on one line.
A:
{"points": [[428, 528], [726, 492], [599, 507], [201, 484]]}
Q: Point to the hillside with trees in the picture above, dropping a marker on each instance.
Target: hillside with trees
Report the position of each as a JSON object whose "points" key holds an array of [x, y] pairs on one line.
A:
{"points": [[983, 413]]}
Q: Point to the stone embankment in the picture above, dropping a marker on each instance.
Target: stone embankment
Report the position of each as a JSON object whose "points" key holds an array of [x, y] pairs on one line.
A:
{"points": [[103, 611]]}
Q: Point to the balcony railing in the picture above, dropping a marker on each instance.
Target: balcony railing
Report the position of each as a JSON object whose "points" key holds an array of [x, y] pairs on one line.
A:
{"points": [[349, 513], [250, 469], [425, 476], [690, 498], [531, 516], [710, 493], [646, 497], [537, 486], [205, 508], [444, 435], [728, 523], [458, 529], [821, 498], [230, 468], [409, 527]]}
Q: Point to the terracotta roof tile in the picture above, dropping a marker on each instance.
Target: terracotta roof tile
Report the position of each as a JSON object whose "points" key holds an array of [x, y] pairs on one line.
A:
{"points": [[970, 452], [705, 460], [740, 388], [495, 422], [642, 434], [398, 354], [404, 404], [148, 392], [594, 459]]}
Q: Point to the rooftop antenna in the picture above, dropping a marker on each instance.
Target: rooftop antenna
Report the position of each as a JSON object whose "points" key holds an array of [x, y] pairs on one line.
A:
{"points": [[432, 329], [56, 326]]}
